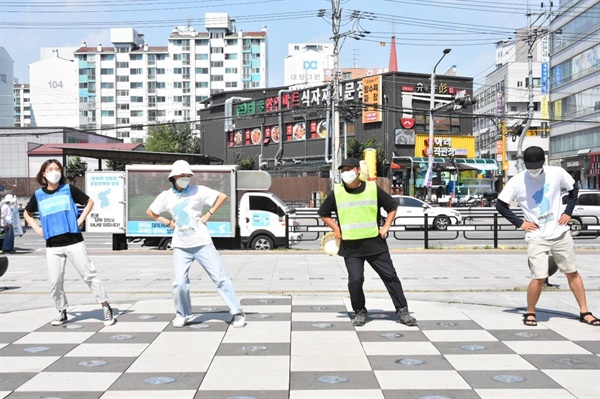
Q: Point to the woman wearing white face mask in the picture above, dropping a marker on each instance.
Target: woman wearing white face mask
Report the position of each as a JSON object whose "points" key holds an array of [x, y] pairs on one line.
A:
{"points": [[60, 227], [191, 240]]}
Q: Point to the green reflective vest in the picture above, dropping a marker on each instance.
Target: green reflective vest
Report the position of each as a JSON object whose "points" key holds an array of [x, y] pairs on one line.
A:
{"points": [[357, 213]]}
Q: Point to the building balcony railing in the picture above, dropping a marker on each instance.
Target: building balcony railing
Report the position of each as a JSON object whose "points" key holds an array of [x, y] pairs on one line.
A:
{"points": [[151, 62], [187, 77], [151, 104], [151, 90], [185, 62], [151, 77], [187, 90], [185, 48]]}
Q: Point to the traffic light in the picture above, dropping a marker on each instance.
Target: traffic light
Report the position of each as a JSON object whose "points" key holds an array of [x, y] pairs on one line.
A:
{"points": [[460, 102]]}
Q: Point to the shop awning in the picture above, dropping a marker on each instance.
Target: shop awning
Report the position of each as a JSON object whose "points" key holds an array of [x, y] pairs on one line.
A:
{"points": [[449, 163]]}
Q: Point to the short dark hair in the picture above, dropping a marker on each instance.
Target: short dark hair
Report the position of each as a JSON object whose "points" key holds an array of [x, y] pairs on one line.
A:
{"points": [[40, 176]]}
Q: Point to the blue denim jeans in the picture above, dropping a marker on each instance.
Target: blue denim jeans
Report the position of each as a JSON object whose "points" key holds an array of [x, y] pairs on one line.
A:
{"points": [[211, 261], [9, 239]]}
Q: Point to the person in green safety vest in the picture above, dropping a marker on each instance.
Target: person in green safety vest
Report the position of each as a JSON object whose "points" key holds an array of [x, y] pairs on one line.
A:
{"points": [[356, 204]]}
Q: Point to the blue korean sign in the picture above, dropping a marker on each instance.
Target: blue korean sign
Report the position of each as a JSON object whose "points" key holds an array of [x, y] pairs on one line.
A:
{"points": [[545, 77]]}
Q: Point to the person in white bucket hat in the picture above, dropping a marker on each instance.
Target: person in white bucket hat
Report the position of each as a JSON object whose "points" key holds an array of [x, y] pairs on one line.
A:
{"points": [[185, 202], [7, 224]]}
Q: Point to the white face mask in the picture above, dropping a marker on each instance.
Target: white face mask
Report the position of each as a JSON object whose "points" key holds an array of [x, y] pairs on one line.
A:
{"points": [[348, 176], [183, 182], [53, 176], [535, 172]]}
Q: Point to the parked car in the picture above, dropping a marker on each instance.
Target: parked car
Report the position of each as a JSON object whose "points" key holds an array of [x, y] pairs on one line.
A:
{"points": [[411, 212], [586, 212]]}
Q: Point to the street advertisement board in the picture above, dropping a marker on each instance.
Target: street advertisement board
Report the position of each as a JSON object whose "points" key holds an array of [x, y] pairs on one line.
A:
{"points": [[107, 190]]}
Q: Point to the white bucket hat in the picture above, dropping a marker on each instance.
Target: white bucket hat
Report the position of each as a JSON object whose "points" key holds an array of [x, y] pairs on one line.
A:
{"points": [[181, 167], [9, 199]]}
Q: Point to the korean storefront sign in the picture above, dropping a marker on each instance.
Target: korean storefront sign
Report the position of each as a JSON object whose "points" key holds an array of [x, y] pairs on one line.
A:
{"points": [[372, 99]]}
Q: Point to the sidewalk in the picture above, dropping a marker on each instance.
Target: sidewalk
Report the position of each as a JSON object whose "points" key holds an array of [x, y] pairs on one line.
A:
{"points": [[299, 341]]}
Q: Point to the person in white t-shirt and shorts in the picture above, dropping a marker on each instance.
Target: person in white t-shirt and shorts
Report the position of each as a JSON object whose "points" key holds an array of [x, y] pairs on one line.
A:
{"points": [[191, 241], [538, 190]]}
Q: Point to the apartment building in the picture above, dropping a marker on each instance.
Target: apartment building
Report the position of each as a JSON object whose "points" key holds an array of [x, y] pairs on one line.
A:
{"points": [[306, 63], [125, 88], [575, 90], [6, 88], [22, 105], [505, 97]]}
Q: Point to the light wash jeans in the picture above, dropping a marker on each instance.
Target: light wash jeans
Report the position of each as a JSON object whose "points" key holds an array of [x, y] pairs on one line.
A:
{"points": [[78, 255], [211, 261]]}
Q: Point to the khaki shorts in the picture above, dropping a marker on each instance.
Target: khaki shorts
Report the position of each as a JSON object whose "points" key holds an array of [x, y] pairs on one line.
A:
{"points": [[562, 249]]}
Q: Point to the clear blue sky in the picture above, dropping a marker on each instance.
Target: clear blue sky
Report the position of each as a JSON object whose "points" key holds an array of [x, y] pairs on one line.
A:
{"points": [[422, 28]]}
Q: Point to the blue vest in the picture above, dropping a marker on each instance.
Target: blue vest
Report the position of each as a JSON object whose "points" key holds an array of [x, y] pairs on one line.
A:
{"points": [[58, 212]]}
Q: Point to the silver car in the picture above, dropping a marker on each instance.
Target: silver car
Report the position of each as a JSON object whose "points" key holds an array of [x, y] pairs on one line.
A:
{"points": [[586, 212], [411, 212]]}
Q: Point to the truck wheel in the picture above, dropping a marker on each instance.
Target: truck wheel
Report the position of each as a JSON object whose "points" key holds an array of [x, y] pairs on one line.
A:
{"points": [[441, 223], [575, 225], [262, 243], [165, 244]]}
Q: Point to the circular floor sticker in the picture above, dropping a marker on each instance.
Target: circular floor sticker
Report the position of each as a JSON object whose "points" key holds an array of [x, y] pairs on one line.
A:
{"points": [[391, 335], [524, 334], [92, 363], [36, 349], [146, 317], [159, 380], [260, 316], [447, 324], [508, 378], [209, 309], [264, 301], [73, 326], [473, 347], [410, 362], [198, 326], [322, 325], [567, 361], [254, 348], [378, 316], [333, 379], [122, 337]]}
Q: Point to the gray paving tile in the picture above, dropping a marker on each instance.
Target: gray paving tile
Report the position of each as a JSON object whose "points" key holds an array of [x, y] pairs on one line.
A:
{"points": [[254, 349], [527, 335], [10, 337], [433, 393], [53, 394], [72, 326], [455, 348], [533, 379], [391, 336], [140, 317], [592, 346], [449, 325], [322, 326], [241, 394], [53, 350], [122, 337], [567, 362], [200, 326], [320, 309], [266, 301], [91, 365], [309, 380], [136, 382], [410, 362], [254, 317], [209, 309], [11, 381]]}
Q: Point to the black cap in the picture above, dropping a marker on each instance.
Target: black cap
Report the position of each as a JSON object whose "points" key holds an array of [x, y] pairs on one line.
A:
{"points": [[534, 157], [353, 162]]}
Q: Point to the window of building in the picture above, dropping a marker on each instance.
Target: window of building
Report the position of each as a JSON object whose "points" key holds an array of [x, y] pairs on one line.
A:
{"points": [[201, 42], [137, 127], [107, 99], [231, 70], [178, 112], [201, 71], [122, 49], [107, 57], [122, 92], [137, 113], [177, 99], [137, 99], [122, 64], [161, 113], [199, 99], [232, 56], [519, 83], [231, 42], [107, 85], [255, 70], [135, 71], [160, 99], [217, 35], [107, 71], [177, 71], [201, 57], [216, 64], [160, 85], [216, 78], [231, 84], [216, 50], [160, 71], [122, 134], [161, 57], [136, 85], [83, 85], [122, 78], [108, 112], [123, 106], [201, 85]]}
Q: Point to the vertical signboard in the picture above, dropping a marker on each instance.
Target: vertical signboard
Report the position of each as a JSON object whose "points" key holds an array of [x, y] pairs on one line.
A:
{"points": [[371, 99], [107, 190]]}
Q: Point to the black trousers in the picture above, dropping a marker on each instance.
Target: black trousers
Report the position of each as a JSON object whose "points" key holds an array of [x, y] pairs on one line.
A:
{"points": [[383, 266]]}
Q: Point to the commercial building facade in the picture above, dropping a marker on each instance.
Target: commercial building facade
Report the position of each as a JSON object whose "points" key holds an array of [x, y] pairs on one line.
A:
{"points": [[575, 90], [6, 89]]}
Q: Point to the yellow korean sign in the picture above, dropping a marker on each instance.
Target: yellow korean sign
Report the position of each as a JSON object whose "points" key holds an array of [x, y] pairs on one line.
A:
{"points": [[372, 94], [445, 146]]}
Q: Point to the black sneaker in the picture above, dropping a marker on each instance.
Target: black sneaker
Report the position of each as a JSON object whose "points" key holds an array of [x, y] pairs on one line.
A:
{"points": [[405, 317], [109, 317], [61, 319], [360, 318]]}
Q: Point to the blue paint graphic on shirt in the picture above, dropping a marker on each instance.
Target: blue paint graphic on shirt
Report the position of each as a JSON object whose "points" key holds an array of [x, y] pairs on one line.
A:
{"points": [[103, 196], [542, 201], [54, 204], [181, 216]]}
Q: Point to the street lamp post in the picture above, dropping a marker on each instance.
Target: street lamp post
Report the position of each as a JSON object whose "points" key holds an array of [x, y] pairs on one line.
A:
{"points": [[429, 175]]}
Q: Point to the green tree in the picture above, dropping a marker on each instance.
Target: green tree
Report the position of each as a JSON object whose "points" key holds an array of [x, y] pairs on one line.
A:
{"points": [[356, 150], [75, 168], [246, 163], [111, 164], [173, 137]]}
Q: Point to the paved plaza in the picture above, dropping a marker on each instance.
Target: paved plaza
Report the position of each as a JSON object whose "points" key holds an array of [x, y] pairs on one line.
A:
{"points": [[299, 341]]}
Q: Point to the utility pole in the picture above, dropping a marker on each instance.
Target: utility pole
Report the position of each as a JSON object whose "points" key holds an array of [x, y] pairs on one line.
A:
{"points": [[335, 103]]}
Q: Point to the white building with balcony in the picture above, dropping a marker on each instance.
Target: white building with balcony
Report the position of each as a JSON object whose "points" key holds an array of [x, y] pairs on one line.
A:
{"points": [[505, 97], [22, 105], [306, 63], [6, 89]]}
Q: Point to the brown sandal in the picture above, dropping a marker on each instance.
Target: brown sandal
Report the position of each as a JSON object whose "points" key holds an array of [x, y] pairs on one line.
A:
{"points": [[528, 321], [594, 322]]}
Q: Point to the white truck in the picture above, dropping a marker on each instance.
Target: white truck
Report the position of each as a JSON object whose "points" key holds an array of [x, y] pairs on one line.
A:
{"points": [[250, 218]]}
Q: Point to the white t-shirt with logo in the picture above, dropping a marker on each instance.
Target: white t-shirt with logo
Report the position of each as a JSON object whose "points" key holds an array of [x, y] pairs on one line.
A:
{"points": [[186, 210], [540, 199]]}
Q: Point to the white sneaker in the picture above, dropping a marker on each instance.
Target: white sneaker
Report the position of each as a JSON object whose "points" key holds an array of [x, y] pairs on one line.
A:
{"points": [[181, 321], [239, 320]]}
